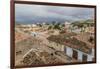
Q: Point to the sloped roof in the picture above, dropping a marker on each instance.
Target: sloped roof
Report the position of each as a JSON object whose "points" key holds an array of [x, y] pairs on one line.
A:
{"points": [[85, 37], [70, 41]]}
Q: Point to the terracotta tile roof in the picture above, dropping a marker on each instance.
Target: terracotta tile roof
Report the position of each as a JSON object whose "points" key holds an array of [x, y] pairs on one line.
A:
{"points": [[85, 37], [41, 59], [72, 42]]}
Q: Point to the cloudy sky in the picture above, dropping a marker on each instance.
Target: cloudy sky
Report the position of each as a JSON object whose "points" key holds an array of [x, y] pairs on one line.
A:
{"points": [[38, 13]]}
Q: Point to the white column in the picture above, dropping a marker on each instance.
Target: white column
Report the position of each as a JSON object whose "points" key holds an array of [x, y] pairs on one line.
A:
{"points": [[92, 52], [89, 58], [80, 55], [69, 51]]}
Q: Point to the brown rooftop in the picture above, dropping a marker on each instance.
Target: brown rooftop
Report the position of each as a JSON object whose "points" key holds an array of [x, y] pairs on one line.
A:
{"points": [[72, 42], [85, 38]]}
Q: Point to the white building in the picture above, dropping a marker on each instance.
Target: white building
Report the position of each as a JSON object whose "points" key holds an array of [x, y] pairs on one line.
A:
{"points": [[71, 50]]}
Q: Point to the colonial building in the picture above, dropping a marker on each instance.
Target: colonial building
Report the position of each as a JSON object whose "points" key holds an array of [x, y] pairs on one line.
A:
{"points": [[72, 47]]}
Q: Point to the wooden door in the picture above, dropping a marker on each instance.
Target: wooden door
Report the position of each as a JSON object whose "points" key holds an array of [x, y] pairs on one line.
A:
{"points": [[75, 54], [84, 58]]}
